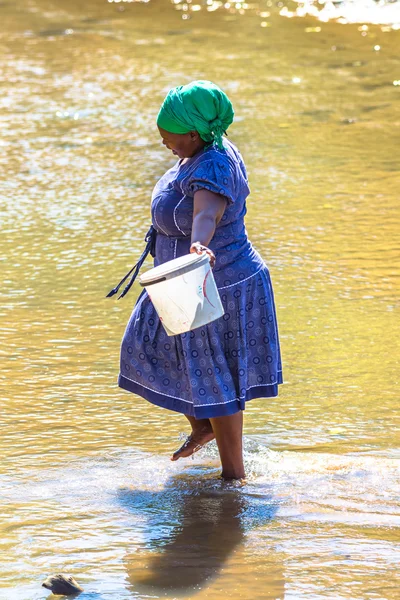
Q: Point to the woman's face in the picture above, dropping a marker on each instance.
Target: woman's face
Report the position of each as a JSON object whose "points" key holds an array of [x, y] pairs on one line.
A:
{"points": [[183, 145]]}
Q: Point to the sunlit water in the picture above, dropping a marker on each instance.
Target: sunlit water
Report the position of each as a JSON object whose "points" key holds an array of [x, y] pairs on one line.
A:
{"points": [[86, 484]]}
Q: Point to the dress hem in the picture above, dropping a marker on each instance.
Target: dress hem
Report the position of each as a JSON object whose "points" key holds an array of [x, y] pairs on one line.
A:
{"points": [[200, 412]]}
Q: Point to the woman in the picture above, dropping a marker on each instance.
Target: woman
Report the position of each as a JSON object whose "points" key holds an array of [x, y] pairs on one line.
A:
{"points": [[199, 206]]}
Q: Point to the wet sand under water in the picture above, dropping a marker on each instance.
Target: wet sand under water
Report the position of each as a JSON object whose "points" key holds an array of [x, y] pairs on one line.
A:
{"points": [[86, 484]]}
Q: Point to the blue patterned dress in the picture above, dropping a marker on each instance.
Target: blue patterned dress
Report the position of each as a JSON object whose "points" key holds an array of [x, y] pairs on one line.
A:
{"points": [[215, 369]]}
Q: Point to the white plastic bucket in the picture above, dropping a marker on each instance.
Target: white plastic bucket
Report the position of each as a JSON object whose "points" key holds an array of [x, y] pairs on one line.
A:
{"points": [[184, 293]]}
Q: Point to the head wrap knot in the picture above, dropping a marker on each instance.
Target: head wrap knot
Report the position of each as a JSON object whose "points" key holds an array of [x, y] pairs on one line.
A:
{"points": [[215, 124], [198, 106]]}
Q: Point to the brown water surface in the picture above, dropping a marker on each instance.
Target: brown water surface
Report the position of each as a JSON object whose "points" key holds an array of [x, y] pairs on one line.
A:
{"points": [[86, 483]]}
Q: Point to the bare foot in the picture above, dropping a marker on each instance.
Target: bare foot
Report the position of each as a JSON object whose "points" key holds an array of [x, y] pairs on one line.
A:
{"points": [[196, 440]]}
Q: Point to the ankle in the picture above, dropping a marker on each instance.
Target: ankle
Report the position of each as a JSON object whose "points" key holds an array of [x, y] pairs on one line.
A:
{"points": [[202, 427], [231, 474]]}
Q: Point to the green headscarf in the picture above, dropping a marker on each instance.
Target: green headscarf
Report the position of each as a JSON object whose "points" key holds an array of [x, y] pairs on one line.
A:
{"points": [[198, 106]]}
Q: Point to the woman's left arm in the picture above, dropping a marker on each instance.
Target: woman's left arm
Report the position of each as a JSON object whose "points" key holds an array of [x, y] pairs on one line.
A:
{"points": [[208, 209]]}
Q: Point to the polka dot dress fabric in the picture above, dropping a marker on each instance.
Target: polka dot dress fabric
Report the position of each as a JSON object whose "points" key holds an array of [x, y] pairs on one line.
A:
{"points": [[213, 370]]}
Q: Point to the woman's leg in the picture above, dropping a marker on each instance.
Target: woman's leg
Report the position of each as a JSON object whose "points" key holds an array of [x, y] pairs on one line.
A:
{"points": [[229, 435], [202, 433]]}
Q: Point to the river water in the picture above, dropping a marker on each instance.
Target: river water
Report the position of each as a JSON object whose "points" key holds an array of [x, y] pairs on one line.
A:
{"points": [[86, 484]]}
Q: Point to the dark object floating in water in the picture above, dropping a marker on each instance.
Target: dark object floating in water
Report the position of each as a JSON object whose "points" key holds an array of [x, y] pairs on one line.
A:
{"points": [[354, 63], [374, 107], [318, 115], [54, 32], [93, 20], [61, 585], [178, 32], [375, 86]]}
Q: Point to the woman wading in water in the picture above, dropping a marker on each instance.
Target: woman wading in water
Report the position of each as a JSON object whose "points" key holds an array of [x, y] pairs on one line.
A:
{"points": [[199, 205]]}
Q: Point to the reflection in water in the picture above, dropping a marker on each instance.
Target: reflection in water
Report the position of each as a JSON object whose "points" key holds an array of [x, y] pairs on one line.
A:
{"points": [[317, 109], [201, 528], [384, 12], [125, 524]]}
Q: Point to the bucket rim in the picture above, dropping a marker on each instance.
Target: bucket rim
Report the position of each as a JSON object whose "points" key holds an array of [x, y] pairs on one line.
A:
{"points": [[173, 268]]}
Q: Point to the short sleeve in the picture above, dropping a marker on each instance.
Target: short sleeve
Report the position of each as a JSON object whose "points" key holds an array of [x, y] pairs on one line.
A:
{"points": [[214, 175]]}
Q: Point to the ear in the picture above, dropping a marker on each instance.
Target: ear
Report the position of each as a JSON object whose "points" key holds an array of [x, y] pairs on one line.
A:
{"points": [[194, 136]]}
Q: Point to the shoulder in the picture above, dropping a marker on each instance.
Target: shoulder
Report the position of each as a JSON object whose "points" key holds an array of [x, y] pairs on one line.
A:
{"points": [[212, 165], [231, 158], [217, 170], [229, 153], [227, 160]]}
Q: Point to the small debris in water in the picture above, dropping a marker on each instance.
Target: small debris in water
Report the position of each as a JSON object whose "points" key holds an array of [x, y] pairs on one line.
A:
{"points": [[62, 585]]}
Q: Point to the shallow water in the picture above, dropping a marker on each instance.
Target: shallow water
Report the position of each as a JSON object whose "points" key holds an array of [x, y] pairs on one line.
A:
{"points": [[86, 484]]}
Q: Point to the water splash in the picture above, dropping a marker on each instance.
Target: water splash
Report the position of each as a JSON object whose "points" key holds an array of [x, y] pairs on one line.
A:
{"points": [[142, 513]]}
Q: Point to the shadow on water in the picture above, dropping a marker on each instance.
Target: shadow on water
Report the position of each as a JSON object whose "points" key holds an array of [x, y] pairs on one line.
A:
{"points": [[195, 529]]}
